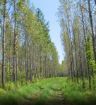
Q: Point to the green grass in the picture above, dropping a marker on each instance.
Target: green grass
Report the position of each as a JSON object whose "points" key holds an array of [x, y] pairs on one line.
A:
{"points": [[46, 90]]}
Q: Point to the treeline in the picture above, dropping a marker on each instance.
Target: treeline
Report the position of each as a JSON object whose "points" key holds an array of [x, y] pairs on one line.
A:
{"points": [[78, 25], [26, 50]]}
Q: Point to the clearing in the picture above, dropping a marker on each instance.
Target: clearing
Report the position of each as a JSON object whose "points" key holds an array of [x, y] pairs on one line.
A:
{"points": [[53, 91]]}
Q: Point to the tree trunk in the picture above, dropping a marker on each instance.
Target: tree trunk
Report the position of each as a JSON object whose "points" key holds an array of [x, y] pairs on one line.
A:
{"points": [[3, 44], [92, 31], [14, 46]]}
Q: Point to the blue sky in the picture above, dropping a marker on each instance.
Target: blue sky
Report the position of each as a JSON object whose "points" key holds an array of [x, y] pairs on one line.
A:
{"points": [[50, 9]]}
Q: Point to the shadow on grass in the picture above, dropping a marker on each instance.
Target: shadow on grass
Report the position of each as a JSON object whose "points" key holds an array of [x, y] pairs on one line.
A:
{"points": [[25, 101]]}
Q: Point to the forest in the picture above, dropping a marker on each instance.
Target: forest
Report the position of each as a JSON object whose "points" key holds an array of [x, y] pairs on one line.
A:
{"points": [[30, 71]]}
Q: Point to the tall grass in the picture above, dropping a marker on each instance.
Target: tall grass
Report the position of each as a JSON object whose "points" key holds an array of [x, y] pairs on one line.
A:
{"points": [[47, 89]]}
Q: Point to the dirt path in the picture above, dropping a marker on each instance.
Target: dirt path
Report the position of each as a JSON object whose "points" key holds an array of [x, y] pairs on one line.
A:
{"points": [[56, 100]]}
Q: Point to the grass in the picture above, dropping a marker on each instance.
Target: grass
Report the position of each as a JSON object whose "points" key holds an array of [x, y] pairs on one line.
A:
{"points": [[46, 91]]}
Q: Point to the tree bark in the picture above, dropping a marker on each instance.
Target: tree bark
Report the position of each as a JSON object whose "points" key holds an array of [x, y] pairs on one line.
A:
{"points": [[3, 44]]}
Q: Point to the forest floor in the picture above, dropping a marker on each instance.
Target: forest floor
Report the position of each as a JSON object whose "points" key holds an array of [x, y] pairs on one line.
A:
{"points": [[53, 91]]}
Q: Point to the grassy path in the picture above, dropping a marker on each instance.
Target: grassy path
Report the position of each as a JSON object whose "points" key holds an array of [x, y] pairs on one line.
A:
{"points": [[54, 91]]}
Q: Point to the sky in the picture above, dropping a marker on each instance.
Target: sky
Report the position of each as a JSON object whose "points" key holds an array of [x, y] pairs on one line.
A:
{"points": [[50, 9]]}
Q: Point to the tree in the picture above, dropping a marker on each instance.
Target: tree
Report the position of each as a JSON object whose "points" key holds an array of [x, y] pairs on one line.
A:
{"points": [[78, 39], [3, 43]]}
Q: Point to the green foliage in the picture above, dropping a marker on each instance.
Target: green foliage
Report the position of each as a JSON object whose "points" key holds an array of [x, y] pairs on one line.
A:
{"points": [[89, 53], [2, 91], [48, 89], [93, 64], [10, 86]]}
